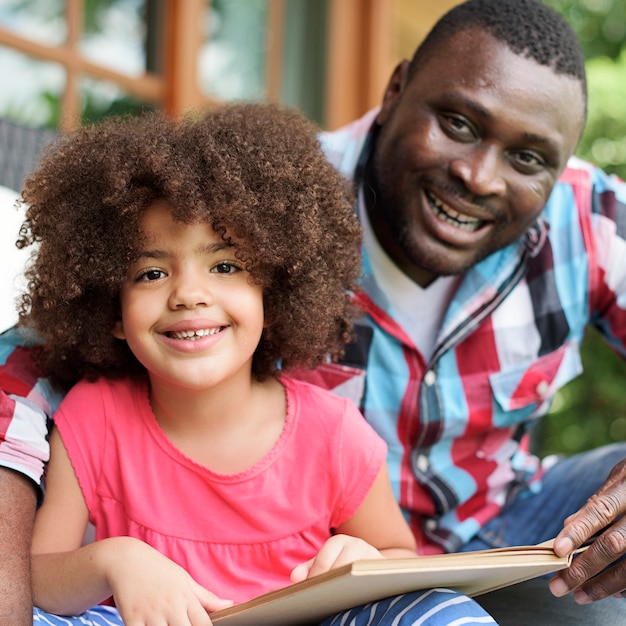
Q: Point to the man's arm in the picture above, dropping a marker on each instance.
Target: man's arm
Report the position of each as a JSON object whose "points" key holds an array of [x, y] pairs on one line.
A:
{"points": [[25, 403], [18, 501], [600, 521]]}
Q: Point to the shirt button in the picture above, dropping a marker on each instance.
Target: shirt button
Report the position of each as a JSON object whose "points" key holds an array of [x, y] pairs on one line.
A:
{"points": [[542, 388], [430, 377], [421, 463]]}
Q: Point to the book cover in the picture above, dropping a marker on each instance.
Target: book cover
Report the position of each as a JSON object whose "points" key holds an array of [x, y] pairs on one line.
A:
{"points": [[472, 573]]}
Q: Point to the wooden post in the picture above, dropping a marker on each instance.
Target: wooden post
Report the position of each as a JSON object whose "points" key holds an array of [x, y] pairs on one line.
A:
{"points": [[183, 40], [359, 58], [71, 100]]}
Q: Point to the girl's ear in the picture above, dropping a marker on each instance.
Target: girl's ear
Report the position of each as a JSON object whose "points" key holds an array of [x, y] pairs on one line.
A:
{"points": [[118, 330]]}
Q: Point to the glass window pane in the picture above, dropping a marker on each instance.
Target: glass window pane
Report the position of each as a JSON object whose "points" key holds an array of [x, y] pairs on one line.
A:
{"points": [[31, 89], [232, 60], [100, 98], [114, 35], [40, 20], [304, 57]]}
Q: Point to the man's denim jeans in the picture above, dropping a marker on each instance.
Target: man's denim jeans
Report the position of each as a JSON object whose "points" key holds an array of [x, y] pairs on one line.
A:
{"points": [[534, 518]]}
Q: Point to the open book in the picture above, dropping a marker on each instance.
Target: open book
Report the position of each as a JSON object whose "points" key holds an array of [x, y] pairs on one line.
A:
{"points": [[312, 600]]}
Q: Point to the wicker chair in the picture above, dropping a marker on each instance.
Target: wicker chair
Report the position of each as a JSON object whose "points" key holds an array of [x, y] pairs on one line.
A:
{"points": [[20, 147]]}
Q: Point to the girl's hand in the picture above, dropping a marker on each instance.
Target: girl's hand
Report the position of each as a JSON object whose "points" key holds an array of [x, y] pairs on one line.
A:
{"points": [[149, 588], [337, 551]]}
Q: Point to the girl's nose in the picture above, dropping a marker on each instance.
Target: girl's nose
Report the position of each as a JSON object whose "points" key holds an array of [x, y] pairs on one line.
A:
{"points": [[190, 289]]}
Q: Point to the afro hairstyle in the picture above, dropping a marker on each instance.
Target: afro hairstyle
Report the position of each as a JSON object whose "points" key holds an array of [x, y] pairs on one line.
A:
{"points": [[254, 172]]}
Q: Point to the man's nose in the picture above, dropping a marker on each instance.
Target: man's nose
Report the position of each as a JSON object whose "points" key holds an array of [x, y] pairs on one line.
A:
{"points": [[480, 169]]}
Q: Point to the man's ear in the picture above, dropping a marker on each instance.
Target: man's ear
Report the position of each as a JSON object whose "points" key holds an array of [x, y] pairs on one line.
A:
{"points": [[118, 330], [394, 88]]}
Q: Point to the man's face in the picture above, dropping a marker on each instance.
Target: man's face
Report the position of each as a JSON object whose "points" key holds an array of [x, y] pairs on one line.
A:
{"points": [[468, 152]]}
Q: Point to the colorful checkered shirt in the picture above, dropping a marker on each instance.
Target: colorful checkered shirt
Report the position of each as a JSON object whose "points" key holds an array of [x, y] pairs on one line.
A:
{"points": [[456, 426], [26, 402]]}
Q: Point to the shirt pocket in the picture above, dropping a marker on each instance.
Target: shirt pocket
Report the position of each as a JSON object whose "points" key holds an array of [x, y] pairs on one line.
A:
{"points": [[525, 390]]}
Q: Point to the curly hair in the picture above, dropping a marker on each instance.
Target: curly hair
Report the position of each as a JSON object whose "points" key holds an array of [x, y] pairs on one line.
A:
{"points": [[254, 172], [528, 27]]}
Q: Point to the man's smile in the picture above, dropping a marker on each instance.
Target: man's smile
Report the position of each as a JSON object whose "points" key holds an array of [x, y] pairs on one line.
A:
{"points": [[449, 215]]}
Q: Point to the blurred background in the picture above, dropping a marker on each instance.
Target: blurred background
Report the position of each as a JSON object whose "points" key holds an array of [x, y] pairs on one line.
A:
{"points": [[70, 62]]}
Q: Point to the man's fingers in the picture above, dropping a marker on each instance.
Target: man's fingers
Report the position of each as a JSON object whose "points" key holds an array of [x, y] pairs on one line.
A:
{"points": [[609, 583], [600, 512], [606, 549]]}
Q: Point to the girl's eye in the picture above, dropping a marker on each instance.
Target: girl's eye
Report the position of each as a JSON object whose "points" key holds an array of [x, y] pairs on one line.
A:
{"points": [[150, 275], [225, 267]]}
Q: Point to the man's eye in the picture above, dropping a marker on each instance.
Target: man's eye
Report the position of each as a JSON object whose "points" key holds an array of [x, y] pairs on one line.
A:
{"points": [[225, 267], [457, 126], [150, 275], [529, 160]]}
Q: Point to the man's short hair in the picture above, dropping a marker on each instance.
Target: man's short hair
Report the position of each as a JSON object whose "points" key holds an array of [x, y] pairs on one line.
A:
{"points": [[528, 27]]}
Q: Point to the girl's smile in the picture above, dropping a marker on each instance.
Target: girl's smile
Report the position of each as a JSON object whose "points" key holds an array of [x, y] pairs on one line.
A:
{"points": [[195, 336]]}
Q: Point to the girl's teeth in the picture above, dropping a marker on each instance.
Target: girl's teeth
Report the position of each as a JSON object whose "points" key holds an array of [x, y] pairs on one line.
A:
{"points": [[192, 335]]}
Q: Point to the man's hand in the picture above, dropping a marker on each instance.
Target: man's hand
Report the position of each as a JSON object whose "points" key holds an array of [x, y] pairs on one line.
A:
{"points": [[17, 512], [602, 515]]}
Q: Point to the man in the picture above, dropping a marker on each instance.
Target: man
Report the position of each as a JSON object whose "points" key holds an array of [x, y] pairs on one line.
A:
{"points": [[481, 272], [23, 445]]}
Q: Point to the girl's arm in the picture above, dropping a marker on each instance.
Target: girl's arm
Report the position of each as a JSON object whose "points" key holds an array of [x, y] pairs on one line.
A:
{"points": [[61, 581], [377, 530], [69, 579]]}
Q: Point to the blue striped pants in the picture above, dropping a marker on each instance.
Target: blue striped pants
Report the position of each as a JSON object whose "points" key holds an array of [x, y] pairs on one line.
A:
{"points": [[433, 607]]}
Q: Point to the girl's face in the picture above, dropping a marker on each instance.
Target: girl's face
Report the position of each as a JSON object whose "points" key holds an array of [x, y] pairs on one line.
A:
{"points": [[190, 314]]}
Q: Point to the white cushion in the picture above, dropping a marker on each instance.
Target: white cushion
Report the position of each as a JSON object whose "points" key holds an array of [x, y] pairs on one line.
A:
{"points": [[12, 260]]}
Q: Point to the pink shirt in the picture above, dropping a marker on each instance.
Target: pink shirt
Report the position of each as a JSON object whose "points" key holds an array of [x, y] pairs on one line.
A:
{"points": [[238, 535]]}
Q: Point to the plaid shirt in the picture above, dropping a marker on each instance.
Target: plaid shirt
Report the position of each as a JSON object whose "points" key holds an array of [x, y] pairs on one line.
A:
{"points": [[26, 401], [456, 426]]}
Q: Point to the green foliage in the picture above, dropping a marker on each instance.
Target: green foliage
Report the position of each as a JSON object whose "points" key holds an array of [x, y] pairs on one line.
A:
{"points": [[601, 28], [591, 410], [604, 139], [93, 109], [599, 24]]}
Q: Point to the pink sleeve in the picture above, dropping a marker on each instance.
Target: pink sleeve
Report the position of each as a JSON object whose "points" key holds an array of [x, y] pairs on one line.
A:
{"points": [[359, 456], [81, 422]]}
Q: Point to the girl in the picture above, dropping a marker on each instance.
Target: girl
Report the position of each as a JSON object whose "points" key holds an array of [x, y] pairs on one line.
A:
{"points": [[183, 269]]}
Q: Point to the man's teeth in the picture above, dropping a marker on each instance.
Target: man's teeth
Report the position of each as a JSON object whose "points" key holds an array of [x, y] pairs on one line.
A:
{"points": [[192, 335], [447, 214]]}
